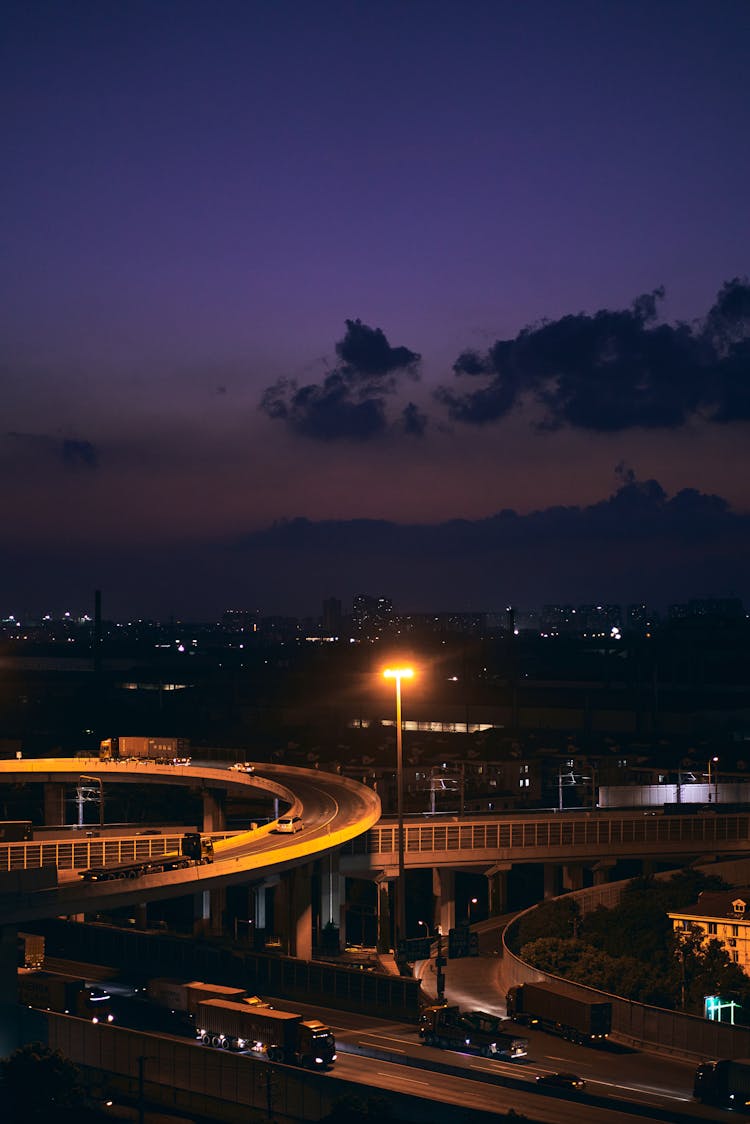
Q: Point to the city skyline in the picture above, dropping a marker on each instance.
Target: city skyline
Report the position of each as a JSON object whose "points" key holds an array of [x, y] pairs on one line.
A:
{"points": [[450, 303]]}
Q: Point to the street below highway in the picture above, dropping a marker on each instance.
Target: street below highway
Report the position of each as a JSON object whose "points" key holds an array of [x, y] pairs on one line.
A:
{"points": [[380, 1054]]}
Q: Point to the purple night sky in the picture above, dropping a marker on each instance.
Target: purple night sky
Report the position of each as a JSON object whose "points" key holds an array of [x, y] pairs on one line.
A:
{"points": [[439, 301]]}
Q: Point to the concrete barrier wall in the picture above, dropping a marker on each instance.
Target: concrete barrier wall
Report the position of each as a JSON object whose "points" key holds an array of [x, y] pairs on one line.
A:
{"points": [[303, 981], [224, 1087]]}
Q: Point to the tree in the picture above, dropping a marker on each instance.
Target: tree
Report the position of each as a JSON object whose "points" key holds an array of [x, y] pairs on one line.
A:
{"points": [[39, 1084], [556, 918], [705, 968]]}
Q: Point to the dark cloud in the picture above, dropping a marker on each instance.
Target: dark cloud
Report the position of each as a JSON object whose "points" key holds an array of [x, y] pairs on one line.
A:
{"points": [[367, 351], [616, 370], [72, 452], [637, 544], [350, 402], [415, 422]]}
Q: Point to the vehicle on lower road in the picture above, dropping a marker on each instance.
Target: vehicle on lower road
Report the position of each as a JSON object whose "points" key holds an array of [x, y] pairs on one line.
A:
{"points": [[562, 1081], [474, 1032], [725, 1083], [579, 1020]]}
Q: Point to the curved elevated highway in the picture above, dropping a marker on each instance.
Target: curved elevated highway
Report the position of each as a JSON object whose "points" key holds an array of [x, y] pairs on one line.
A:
{"points": [[335, 810]]}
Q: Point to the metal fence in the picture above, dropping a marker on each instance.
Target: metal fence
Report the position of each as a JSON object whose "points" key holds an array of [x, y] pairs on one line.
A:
{"points": [[603, 832], [80, 854]]}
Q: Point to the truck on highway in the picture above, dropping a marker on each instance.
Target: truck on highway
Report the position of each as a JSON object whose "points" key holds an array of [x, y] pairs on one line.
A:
{"points": [[194, 849], [67, 995], [724, 1083], [282, 1036], [578, 1020], [475, 1032], [179, 995], [30, 950], [163, 751], [16, 831]]}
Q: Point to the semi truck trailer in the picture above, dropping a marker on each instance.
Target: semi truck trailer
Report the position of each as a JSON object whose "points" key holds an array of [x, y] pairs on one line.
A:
{"points": [[578, 1020], [724, 1083], [67, 995], [179, 995], [475, 1032], [194, 849], [165, 751], [282, 1036]]}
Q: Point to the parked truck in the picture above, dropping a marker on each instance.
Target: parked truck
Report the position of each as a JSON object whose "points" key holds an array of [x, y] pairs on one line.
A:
{"points": [[475, 1032], [194, 849], [578, 1020], [67, 995], [164, 751], [724, 1083], [282, 1036]]}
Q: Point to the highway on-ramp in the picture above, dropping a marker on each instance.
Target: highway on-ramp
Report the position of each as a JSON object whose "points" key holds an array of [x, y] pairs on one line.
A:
{"points": [[334, 810]]}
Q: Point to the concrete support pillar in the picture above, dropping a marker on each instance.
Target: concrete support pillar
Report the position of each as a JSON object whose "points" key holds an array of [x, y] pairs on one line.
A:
{"points": [[8, 964], [551, 888], [217, 907], [332, 904], [385, 943], [331, 886], [497, 888], [201, 912], [572, 877], [293, 912], [11, 1033], [141, 915], [601, 871], [54, 804], [213, 810], [259, 906], [444, 879], [302, 915]]}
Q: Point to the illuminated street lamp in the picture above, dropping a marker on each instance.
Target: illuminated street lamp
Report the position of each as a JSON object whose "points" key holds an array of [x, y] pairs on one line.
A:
{"points": [[715, 762], [399, 673], [472, 902]]}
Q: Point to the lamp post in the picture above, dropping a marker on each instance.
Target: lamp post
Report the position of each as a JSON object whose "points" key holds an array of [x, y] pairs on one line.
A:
{"points": [[142, 1059], [399, 673], [472, 902]]}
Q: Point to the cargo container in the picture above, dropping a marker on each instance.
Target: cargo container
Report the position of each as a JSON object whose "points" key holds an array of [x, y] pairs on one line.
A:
{"points": [[282, 1036], [30, 950], [167, 751], [180, 996], [578, 1020]]}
